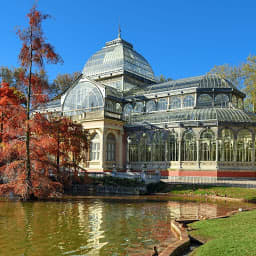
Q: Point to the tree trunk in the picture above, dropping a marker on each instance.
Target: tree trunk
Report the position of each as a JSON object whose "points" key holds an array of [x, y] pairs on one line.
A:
{"points": [[28, 163]]}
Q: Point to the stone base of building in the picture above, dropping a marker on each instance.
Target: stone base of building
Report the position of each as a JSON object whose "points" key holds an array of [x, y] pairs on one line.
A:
{"points": [[212, 174]]}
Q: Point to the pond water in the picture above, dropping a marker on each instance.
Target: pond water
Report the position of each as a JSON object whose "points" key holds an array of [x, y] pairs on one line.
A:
{"points": [[96, 225]]}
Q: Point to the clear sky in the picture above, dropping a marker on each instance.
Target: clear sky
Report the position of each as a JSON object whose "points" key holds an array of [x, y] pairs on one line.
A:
{"points": [[179, 38]]}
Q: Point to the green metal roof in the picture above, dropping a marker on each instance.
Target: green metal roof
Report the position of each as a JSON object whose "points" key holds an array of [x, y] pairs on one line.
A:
{"points": [[184, 115]]}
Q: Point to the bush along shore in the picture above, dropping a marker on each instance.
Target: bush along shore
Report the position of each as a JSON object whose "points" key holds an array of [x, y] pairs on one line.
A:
{"points": [[110, 185]]}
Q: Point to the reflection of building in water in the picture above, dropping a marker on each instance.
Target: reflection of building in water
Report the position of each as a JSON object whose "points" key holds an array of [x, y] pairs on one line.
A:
{"points": [[95, 231], [192, 210]]}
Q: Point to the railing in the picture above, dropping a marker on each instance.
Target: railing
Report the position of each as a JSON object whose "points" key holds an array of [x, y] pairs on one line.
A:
{"points": [[213, 181]]}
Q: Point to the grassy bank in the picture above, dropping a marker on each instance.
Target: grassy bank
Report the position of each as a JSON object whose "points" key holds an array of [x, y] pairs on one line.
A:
{"points": [[235, 235], [203, 190]]}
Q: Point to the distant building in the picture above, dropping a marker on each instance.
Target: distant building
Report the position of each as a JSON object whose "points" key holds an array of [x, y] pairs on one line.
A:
{"points": [[192, 127]]}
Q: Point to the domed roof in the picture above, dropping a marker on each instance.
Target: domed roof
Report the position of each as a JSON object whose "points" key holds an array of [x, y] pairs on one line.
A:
{"points": [[118, 56]]}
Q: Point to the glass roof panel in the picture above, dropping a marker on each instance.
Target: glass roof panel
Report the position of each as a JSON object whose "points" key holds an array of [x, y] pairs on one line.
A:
{"points": [[84, 97]]}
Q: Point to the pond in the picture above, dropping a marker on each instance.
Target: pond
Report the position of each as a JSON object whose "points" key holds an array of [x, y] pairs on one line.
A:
{"points": [[96, 225]]}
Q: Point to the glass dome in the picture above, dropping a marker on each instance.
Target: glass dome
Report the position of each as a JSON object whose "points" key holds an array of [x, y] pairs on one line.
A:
{"points": [[83, 97], [118, 55]]}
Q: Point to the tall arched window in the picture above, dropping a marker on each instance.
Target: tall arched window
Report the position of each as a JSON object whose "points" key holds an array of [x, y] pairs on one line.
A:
{"points": [[145, 148], [188, 101], [95, 147], [227, 145], [150, 106], [118, 108], [111, 147], [221, 100], [139, 107], [127, 111], [175, 102], [162, 104], [110, 105], [244, 146], [188, 146], [172, 147], [207, 146], [204, 100], [133, 148], [158, 147]]}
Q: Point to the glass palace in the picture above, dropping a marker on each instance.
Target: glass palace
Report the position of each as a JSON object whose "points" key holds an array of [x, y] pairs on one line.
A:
{"points": [[192, 127]]}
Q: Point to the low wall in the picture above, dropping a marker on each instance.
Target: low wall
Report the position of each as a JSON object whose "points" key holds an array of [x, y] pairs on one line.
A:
{"points": [[106, 189]]}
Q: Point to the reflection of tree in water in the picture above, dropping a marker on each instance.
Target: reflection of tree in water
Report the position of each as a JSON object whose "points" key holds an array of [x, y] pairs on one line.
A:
{"points": [[12, 218], [93, 226]]}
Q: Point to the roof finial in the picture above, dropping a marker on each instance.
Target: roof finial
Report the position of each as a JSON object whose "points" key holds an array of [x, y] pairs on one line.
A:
{"points": [[119, 31]]}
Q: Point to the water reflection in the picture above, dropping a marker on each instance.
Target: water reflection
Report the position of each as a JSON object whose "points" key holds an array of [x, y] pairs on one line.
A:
{"points": [[94, 226]]}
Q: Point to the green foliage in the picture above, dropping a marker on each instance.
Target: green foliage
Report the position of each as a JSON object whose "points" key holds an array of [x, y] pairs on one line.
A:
{"points": [[63, 81], [243, 76], [162, 78], [114, 181], [229, 236], [159, 187], [232, 73]]}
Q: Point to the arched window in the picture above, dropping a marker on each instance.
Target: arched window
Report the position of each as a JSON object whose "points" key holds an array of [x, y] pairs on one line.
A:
{"points": [[172, 147], [95, 147], [162, 104], [234, 101], [158, 146], [133, 148], [139, 107], [175, 102], [83, 97], [207, 146], [227, 145], [111, 147], [118, 108], [244, 146], [127, 111], [145, 148], [150, 106], [188, 101], [221, 100], [188, 146], [110, 105], [204, 100]]}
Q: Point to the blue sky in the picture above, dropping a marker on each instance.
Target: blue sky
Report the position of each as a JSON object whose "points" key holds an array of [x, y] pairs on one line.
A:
{"points": [[179, 38]]}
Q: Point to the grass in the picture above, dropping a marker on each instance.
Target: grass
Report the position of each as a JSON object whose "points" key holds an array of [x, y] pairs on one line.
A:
{"points": [[235, 235], [247, 194]]}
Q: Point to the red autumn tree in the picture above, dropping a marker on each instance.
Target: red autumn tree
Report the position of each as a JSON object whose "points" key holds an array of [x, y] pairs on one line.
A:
{"points": [[70, 145], [34, 52], [13, 149], [32, 146]]}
